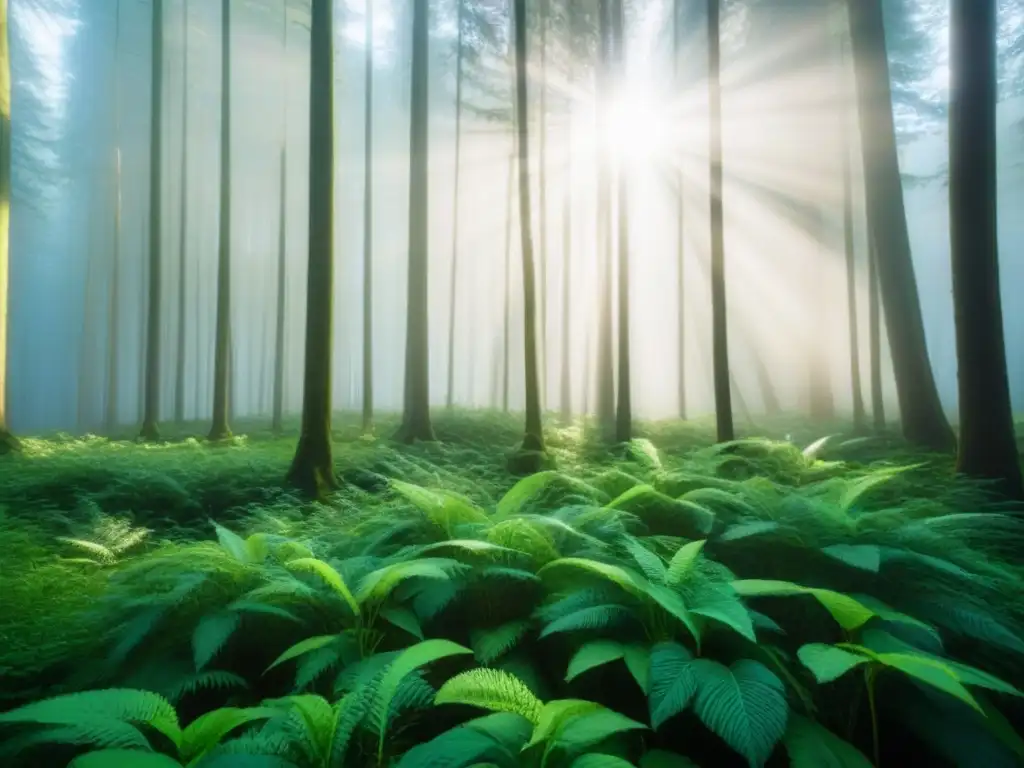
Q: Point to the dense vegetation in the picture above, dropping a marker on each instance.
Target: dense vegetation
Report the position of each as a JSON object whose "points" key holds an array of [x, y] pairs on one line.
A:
{"points": [[809, 602]]}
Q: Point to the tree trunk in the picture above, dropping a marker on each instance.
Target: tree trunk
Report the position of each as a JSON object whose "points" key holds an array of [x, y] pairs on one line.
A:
{"points": [[151, 397], [416, 416], [624, 403], [114, 295], [220, 429], [506, 348], [859, 421], [8, 442], [277, 409], [988, 447], [542, 205], [565, 394], [719, 328], [605, 351], [179, 378], [453, 300], [312, 469], [821, 400], [875, 338], [923, 420], [680, 247], [368, 230], [533, 439]]}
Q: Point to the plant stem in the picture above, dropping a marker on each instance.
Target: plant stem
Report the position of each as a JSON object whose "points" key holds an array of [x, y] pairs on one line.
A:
{"points": [[869, 681]]}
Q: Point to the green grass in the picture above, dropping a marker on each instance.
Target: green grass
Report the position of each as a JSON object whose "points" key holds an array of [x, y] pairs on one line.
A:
{"points": [[737, 604]]}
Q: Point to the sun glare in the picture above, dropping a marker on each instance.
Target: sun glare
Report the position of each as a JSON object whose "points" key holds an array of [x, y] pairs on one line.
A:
{"points": [[637, 126]]}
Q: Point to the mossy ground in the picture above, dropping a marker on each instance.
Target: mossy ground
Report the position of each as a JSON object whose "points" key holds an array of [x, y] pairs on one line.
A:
{"points": [[61, 495]]}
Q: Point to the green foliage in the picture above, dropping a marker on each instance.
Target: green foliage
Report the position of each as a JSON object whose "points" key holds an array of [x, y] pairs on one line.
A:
{"points": [[761, 598]]}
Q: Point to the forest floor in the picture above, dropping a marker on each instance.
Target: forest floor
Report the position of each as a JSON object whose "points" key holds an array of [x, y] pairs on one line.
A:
{"points": [[85, 521]]}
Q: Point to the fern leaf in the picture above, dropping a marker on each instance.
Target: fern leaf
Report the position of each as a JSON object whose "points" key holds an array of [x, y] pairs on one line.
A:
{"points": [[211, 635], [314, 664], [684, 562], [651, 565], [104, 555], [302, 647], [490, 644], [744, 704], [595, 617], [516, 498], [493, 690], [329, 575], [232, 543], [121, 704], [207, 730], [379, 584], [100, 734], [209, 679], [627, 580]]}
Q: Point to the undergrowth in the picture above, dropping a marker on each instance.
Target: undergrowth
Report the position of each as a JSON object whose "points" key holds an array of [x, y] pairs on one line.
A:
{"points": [[835, 602]]}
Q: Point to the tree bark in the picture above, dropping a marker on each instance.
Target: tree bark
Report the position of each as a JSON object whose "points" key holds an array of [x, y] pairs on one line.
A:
{"points": [[506, 347], [220, 429], [416, 416], [533, 439], [680, 246], [624, 396], [450, 395], [565, 394], [312, 469], [719, 327], [368, 230], [605, 373], [923, 420], [179, 377], [875, 338], [277, 408], [151, 397], [988, 447], [8, 442]]}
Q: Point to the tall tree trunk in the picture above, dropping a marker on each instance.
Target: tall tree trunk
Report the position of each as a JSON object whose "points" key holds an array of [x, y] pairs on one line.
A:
{"points": [[506, 346], [605, 351], [114, 296], [851, 255], [416, 414], [312, 469], [8, 442], [624, 404], [87, 353], [719, 327], [680, 244], [450, 396], [875, 337], [923, 420], [368, 230], [821, 399], [533, 439], [565, 394], [222, 388], [151, 400], [988, 447], [542, 203], [179, 378], [277, 406]]}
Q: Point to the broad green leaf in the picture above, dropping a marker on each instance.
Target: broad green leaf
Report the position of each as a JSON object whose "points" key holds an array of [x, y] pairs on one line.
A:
{"points": [[673, 603], [683, 562], [811, 746], [473, 546], [404, 619], [518, 495], [672, 683], [491, 689], [931, 672], [744, 704], [847, 612], [588, 729], [720, 603], [207, 730], [594, 617], [594, 654], [615, 574], [211, 634], [746, 530], [638, 661], [827, 662], [855, 490], [554, 714], [330, 577], [866, 557], [412, 658], [377, 585], [599, 760], [651, 565], [302, 647], [232, 543]]}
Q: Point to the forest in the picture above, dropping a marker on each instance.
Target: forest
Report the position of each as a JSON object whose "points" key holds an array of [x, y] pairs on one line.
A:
{"points": [[511, 383]]}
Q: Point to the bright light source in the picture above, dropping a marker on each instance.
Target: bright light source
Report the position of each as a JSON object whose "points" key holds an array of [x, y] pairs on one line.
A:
{"points": [[637, 127]]}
